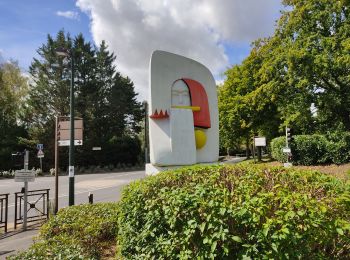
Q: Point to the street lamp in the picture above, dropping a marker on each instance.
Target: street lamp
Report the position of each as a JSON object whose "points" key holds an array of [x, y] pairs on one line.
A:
{"points": [[69, 53], [145, 106]]}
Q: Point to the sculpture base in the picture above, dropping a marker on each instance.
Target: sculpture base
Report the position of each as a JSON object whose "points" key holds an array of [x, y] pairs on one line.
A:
{"points": [[154, 169]]}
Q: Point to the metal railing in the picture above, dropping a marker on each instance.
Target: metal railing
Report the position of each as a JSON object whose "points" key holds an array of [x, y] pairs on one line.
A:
{"points": [[4, 204], [38, 206]]}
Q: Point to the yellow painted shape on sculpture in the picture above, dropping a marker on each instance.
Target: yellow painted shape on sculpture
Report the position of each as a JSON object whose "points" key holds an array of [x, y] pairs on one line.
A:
{"points": [[188, 107], [201, 138]]}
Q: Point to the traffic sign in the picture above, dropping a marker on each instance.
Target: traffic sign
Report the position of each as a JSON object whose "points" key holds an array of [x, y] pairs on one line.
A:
{"points": [[67, 142], [40, 154], [24, 175], [40, 146]]}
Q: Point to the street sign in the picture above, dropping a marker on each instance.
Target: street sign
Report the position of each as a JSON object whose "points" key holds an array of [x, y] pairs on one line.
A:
{"points": [[64, 134], [24, 176], [40, 146], [40, 154], [286, 150], [66, 124], [96, 148], [260, 141], [67, 142]]}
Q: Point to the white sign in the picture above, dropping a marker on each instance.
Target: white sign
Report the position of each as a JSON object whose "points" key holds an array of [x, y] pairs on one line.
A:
{"points": [[260, 141], [40, 154], [96, 148], [23, 175], [286, 150], [67, 142], [71, 171]]}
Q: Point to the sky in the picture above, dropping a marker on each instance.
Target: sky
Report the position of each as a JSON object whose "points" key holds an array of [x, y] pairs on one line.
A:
{"points": [[217, 33]]}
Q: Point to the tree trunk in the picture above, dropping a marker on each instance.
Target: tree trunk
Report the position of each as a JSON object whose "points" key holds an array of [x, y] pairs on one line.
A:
{"points": [[247, 151]]}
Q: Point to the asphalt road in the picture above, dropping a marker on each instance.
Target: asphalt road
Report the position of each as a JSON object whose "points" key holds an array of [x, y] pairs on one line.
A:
{"points": [[103, 186]]}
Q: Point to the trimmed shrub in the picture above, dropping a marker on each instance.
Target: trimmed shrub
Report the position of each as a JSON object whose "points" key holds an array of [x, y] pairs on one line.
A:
{"points": [[310, 150], [277, 145], [237, 212], [314, 149], [339, 147], [77, 232]]}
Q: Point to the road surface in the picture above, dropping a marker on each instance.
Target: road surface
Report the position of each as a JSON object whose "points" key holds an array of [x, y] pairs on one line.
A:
{"points": [[103, 186]]}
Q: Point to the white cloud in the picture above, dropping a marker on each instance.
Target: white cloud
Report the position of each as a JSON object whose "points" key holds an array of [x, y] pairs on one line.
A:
{"points": [[68, 14], [198, 29]]}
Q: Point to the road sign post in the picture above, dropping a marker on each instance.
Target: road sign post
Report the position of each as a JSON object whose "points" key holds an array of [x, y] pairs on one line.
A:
{"points": [[69, 133], [25, 176]]}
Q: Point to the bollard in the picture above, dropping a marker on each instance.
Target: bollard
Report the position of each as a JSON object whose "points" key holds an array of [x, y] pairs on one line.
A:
{"points": [[91, 198]]}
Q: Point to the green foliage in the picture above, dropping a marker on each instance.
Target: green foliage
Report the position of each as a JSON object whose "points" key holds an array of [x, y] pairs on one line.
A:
{"points": [[77, 232], [297, 77], [315, 149], [277, 145], [236, 212], [13, 90], [104, 98]]}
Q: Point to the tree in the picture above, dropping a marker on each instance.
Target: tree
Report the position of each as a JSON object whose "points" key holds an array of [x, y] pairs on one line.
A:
{"points": [[314, 36], [104, 99], [13, 93], [298, 77]]}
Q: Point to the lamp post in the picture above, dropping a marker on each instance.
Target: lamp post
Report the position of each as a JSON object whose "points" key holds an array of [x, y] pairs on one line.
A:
{"points": [[145, 106], [69, 53]]}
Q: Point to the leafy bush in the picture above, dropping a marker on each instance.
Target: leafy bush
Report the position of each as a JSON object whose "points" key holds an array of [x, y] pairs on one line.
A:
{"points": [[339, 147], [277, 145], [235, 212], [77, 232], [310, 150], [315, 149]]}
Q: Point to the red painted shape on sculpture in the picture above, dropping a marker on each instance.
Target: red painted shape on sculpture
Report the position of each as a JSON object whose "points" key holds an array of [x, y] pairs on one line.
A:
{"points": [[159, 115], [199, 98]]}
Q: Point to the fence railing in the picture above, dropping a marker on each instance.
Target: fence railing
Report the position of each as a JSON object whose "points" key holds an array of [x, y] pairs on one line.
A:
{"points": [[4, 205], [37, 206]]}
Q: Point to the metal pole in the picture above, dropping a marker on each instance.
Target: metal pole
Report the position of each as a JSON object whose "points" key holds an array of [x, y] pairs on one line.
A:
{"points": [[71, 146], [254, 148], [56, 167], [25, 198], [146, 149], [41, 164], [6, 212], [287, 142]]}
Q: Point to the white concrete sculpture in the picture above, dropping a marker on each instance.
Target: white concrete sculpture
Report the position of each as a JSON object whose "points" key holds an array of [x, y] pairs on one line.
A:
{"points": [[183, 109]]}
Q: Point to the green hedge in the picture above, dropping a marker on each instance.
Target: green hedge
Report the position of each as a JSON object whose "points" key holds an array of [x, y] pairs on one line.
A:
{"points": [[77, 232], [236, 212], [222, 212], [314, 149]]}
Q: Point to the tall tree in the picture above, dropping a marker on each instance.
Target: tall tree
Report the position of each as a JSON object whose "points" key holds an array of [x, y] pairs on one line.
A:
{"points": [[13, 94], [104, 99]]}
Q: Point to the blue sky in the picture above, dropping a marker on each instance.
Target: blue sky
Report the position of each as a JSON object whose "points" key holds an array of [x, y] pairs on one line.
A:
{"points": [[217, 35], [24, 26]]}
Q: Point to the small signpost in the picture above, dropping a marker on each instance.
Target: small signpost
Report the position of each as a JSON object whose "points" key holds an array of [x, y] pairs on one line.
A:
{"points": [[287, 150], [40, 154], [62, 138], [260, 141], [25, 176]]}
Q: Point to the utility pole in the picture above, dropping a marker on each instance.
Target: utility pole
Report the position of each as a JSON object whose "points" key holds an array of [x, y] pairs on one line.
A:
{"points": [[25, 196]]}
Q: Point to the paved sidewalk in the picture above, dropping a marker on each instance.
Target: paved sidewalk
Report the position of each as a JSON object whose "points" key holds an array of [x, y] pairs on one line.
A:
{"points": [[17, 240]]}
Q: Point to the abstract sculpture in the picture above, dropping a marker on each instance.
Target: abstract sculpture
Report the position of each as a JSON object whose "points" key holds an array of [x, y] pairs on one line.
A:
{"points": [[183, 124]]}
